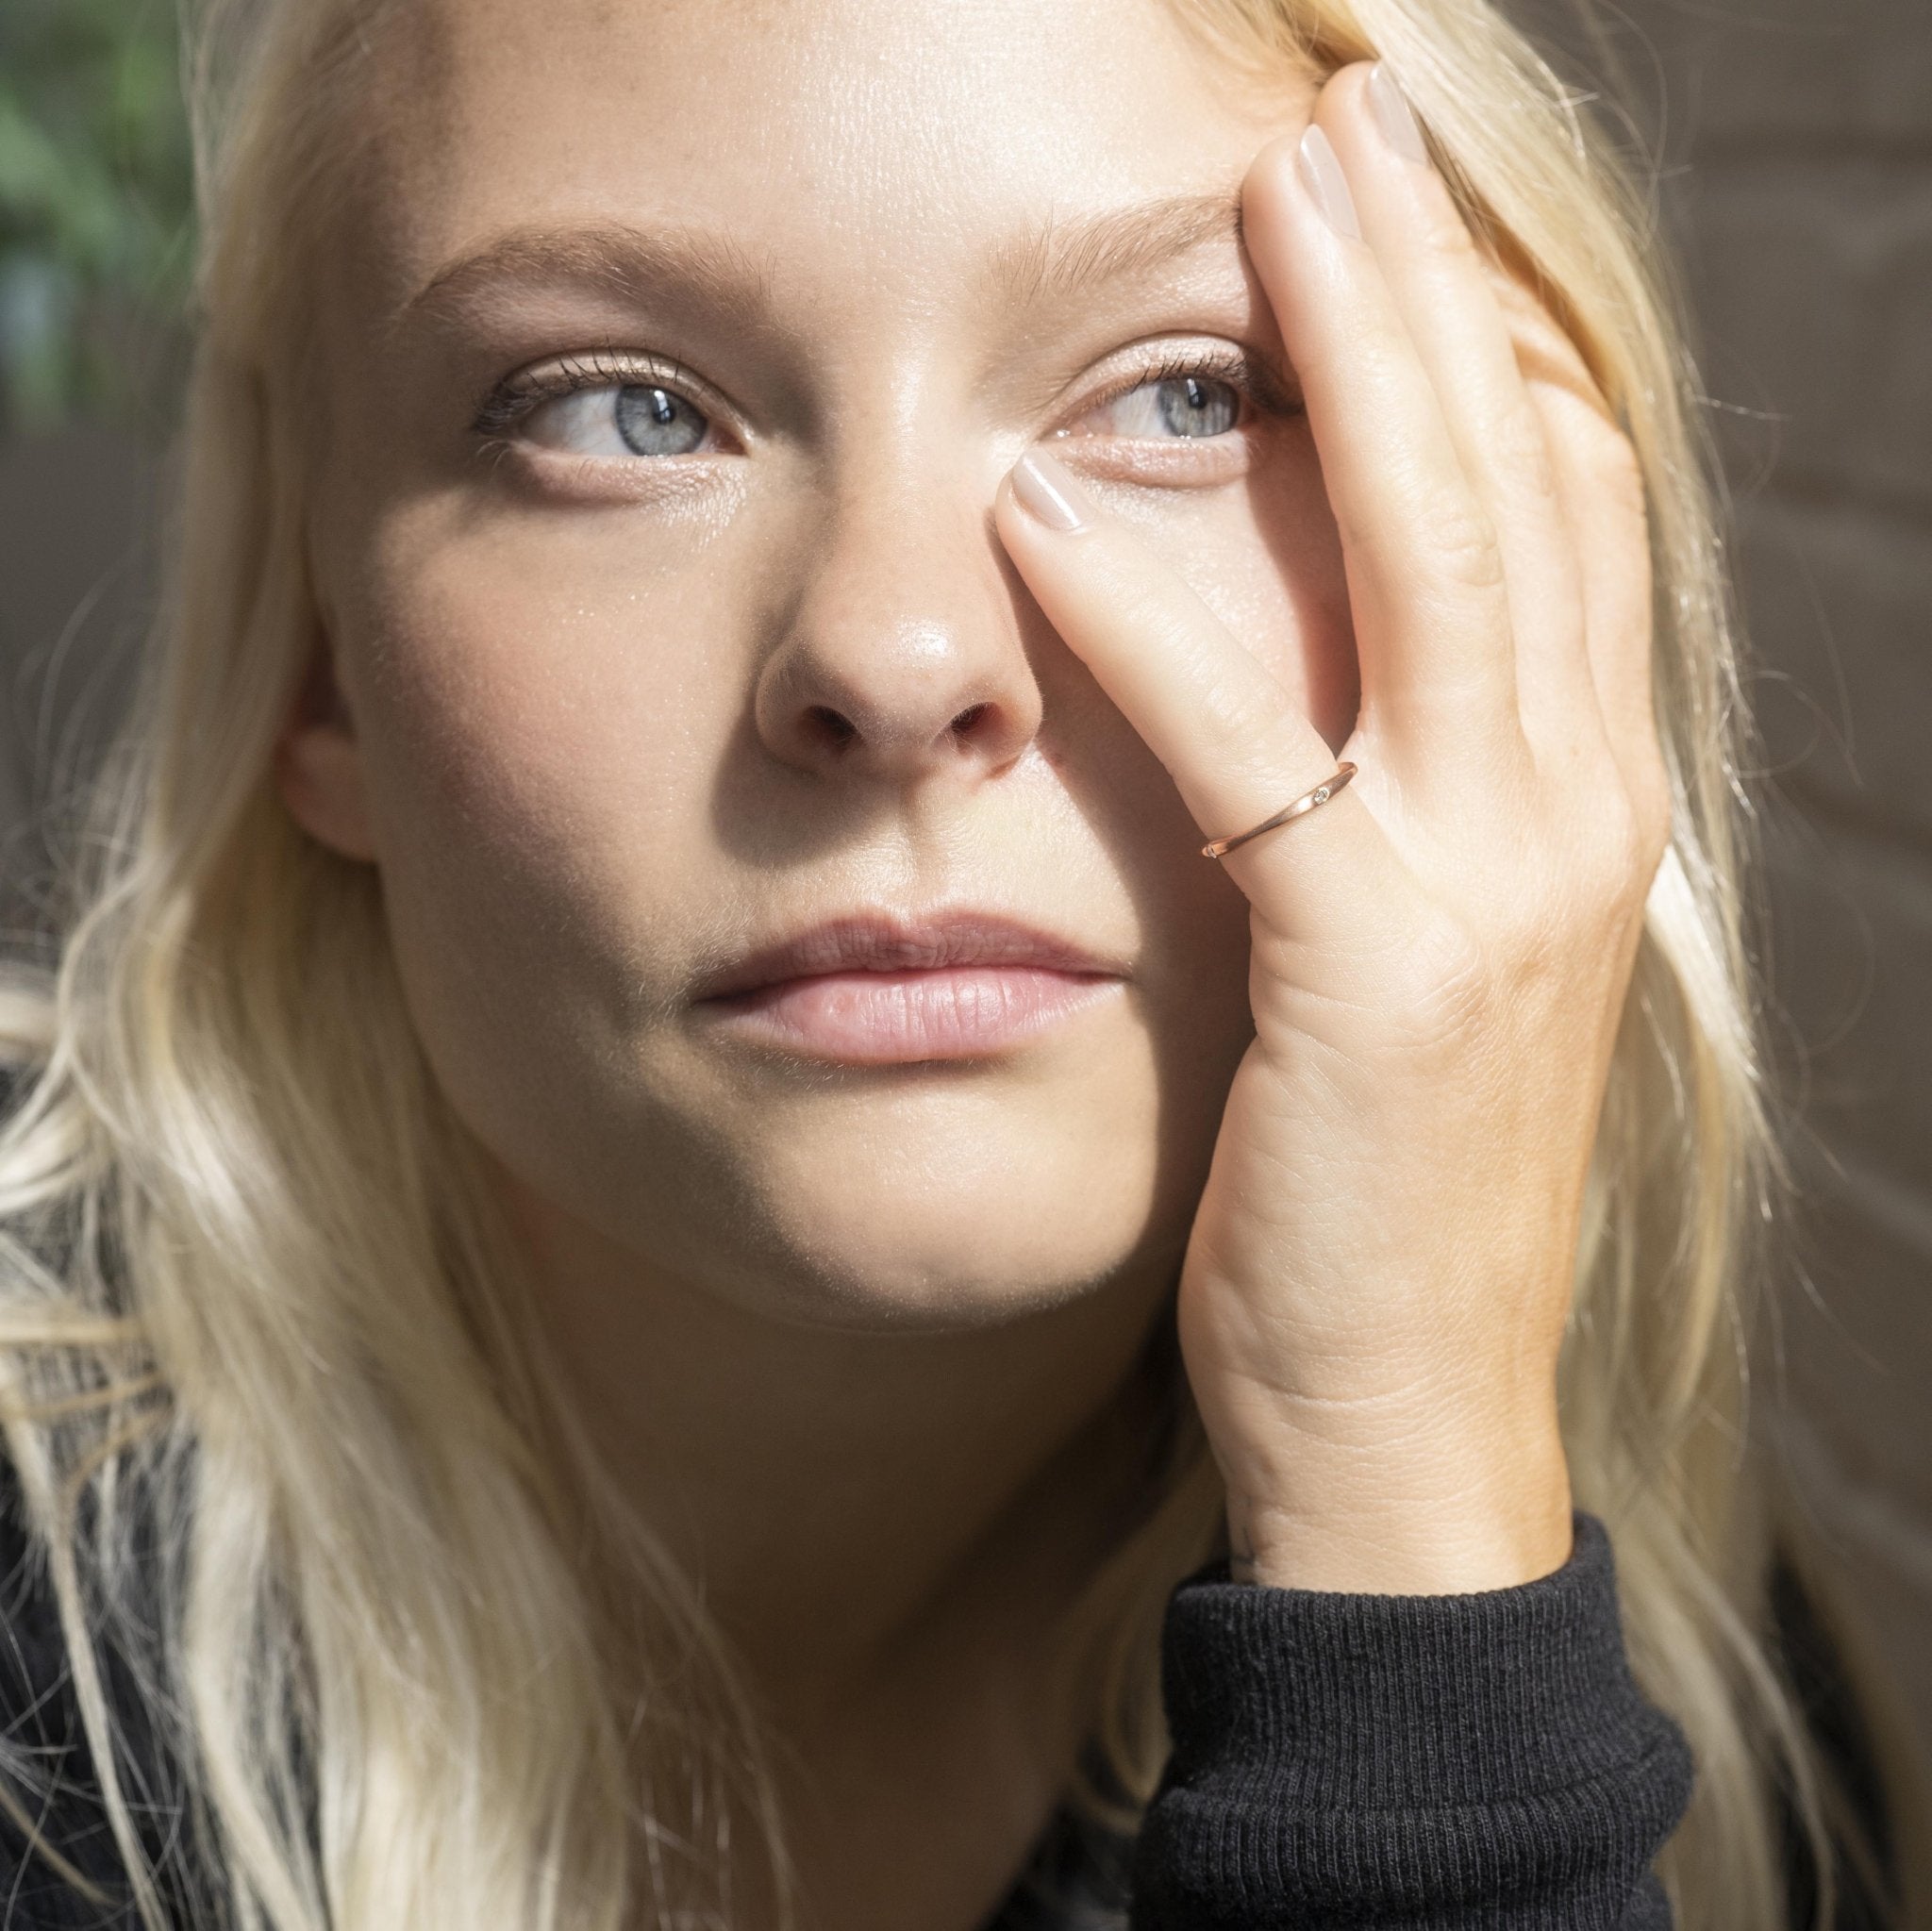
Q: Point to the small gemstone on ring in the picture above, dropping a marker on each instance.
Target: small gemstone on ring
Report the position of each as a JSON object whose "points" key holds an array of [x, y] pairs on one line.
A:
{"points": [[1322, 796]]}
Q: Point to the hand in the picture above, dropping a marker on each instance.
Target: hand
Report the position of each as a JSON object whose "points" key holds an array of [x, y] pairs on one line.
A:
{"points": [[1381, 1266]]}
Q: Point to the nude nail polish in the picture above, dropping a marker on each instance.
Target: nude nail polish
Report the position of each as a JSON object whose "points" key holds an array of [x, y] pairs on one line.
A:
{"points": [[1045, 489], [1394, 116], [1327, 186]]}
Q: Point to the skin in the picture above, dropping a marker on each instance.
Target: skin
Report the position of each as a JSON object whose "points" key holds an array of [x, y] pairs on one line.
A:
{"points": [[864, 1342]]}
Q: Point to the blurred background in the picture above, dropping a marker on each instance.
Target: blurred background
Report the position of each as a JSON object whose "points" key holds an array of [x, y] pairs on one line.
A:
{"points": [[1792, 143], [95, 246]]}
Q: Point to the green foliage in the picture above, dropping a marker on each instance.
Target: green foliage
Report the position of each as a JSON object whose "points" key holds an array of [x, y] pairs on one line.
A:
{"points": [[96, 207]]}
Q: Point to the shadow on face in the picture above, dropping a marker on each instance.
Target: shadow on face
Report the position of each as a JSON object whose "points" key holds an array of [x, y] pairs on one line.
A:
{"points": [[678, 352]]}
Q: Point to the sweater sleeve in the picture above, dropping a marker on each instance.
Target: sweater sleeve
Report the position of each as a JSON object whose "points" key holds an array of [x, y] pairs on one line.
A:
{"points": [[1413, 1761]]}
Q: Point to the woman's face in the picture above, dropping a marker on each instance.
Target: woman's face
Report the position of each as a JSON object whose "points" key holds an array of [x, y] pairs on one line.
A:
{"points": [[645, 677]]}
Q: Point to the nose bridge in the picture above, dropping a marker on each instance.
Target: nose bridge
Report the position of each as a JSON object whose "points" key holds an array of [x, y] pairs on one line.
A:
{"points": [[901, 650]]}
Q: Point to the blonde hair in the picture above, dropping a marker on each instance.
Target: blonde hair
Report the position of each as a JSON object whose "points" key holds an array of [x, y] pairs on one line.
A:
{"points": [[250, 1291]]}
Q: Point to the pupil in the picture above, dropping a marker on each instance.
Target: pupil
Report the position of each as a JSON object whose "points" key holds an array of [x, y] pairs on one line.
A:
{"points": [[1190, 406], [653, 422]]}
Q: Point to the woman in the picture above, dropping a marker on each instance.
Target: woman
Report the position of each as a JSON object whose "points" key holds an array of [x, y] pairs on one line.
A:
{"points": [[705, 1149]]}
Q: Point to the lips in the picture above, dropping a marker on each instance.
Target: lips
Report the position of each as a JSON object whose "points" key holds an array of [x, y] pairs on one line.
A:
{"points": [[871, 942], [870, 990]]}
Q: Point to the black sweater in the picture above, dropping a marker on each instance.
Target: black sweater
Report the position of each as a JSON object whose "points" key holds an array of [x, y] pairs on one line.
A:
{"points": [[1370, 1761], [1388, 1760]]}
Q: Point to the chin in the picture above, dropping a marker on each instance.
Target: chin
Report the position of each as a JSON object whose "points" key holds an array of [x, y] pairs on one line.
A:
{"points": [[909, 1276], [924, 1196], [903, 1230], [905, 1201]]}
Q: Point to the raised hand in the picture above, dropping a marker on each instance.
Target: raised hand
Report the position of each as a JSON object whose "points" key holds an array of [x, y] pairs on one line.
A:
{"points": [[1381, 1266]]}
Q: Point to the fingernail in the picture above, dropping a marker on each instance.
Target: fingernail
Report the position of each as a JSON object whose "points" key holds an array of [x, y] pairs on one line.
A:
{"points": [[1044, 487], [1394, 116], [1322, 178]]}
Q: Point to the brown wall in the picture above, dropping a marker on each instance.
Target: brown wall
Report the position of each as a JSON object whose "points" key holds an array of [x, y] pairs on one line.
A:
{"points": [[1798, 141]]}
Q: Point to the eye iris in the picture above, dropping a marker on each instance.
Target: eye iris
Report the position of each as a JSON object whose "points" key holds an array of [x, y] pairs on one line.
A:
{"points": [[1191, 406], [653, 422]]}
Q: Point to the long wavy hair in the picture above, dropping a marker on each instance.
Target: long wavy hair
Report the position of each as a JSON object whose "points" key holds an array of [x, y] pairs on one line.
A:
{"points": [[287, 1435]]}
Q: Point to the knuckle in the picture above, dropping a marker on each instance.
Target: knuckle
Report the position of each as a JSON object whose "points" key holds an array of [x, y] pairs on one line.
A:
{"points": [[1622, 849], [1381, 356], [1600, 462], [1447, 232], [1520, 448], [1232, 718], [1611, 470], [1637, 809], [1616, 474], [1460, 542], [1526, 311], [1144, 605], [1617, 847], [1443, 991]]}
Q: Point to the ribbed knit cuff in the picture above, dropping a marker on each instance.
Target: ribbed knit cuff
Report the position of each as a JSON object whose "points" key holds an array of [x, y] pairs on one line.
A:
{"points": [[1478, 1758]]}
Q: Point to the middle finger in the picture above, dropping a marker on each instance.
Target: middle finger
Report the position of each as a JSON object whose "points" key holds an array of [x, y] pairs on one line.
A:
{"points": [[1442, 286], [1425, 579]]}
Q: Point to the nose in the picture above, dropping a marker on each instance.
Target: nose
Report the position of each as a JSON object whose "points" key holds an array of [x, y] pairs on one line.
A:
{"points": [[901, 655]]}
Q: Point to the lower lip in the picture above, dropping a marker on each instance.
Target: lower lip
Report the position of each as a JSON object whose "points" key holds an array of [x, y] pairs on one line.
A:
{"points": [[877, 1019]]}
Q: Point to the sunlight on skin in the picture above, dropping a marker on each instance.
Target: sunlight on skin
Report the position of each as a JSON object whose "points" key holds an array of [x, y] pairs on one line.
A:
{"points": [[839, 1330], [636, 686]]}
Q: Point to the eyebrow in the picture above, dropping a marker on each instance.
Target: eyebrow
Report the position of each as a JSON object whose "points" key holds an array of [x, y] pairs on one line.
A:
{"points": [[616, 255], [1066, 256], [1060, 258]]}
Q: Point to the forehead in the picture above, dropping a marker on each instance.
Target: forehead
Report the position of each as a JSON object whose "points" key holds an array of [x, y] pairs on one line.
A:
{"points": [[900, 143]]}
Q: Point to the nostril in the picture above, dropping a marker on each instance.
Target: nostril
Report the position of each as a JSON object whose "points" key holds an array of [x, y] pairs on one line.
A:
{"points": [[833, 726], [963, 723]]}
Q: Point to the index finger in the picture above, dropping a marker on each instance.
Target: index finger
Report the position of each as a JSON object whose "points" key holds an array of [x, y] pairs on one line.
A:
{"points": [[1235, 742]]}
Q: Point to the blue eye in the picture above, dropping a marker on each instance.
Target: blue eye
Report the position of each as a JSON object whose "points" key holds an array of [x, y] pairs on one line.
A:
{"points": [[612, 419], [655, 422], [1189, 405]]}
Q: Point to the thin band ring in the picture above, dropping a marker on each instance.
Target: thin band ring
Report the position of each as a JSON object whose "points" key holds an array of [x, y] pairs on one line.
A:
{"points": [[1215, 848]]}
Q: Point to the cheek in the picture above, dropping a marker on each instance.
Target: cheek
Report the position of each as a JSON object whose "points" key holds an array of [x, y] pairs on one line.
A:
{"points": [[1269, 563], [533, 730], [540, 734]]}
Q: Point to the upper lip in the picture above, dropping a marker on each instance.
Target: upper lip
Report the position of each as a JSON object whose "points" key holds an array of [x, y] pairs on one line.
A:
{"points": [[875, 941]]}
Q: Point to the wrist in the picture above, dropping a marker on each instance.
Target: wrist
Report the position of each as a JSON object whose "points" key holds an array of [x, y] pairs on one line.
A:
{"points": [[1447, 1523]]}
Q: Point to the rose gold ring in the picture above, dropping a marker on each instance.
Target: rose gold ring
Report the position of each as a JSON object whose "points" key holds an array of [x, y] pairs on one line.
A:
{"points": [[1307, 801]]}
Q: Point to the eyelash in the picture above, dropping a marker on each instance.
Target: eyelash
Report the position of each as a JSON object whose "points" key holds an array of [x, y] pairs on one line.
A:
{"points": [[511, 400], [1247, 374]]}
